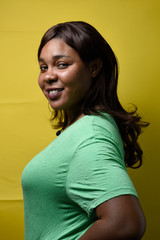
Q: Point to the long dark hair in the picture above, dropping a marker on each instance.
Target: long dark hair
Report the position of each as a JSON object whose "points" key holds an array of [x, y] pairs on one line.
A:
{"points": [[89, 44]]}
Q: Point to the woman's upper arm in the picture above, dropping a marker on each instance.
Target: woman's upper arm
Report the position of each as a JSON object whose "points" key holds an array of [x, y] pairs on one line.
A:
{"points": [[122, 215], [97, 174]]}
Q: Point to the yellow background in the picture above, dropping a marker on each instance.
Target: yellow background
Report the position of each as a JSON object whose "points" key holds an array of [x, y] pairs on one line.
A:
{"points": [[132, 29]]}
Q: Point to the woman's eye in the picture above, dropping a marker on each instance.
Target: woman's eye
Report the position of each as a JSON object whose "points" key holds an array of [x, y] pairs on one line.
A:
{"points": [[43, 68], [62, 65]]}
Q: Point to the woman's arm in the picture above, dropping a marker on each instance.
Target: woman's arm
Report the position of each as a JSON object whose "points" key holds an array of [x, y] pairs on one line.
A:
{"points": [[119, 218]]}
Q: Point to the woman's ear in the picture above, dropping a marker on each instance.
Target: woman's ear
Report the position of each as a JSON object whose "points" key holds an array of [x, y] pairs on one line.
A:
{"points": [[95, 67]]}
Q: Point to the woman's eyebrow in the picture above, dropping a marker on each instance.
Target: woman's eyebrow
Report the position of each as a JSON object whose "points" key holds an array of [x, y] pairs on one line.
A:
{"points": [[55, 57]]}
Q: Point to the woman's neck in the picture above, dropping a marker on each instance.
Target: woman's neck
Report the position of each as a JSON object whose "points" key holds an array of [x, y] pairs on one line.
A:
{"points": [[73, 115], [69, 123], [73, 118]]}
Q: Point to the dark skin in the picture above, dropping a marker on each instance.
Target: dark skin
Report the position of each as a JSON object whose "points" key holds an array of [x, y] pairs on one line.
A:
{"points": [[120, 218]]}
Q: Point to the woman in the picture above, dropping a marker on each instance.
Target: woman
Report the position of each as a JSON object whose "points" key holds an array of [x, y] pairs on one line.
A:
{"points": [[78, 187]]}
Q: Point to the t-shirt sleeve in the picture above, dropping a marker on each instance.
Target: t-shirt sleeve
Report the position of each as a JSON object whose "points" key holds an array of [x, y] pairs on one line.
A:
{"points": [[97, 171]]}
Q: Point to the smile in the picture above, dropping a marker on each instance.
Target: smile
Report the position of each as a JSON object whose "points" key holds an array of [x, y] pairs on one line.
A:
{"points": [[54, 93]]}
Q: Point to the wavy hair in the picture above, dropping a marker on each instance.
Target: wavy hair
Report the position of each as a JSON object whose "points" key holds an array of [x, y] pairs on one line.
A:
{"points": [[90, 44]]}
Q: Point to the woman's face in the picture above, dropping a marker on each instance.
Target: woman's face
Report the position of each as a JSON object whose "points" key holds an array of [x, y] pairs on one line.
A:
{"points": [[64, 77]]}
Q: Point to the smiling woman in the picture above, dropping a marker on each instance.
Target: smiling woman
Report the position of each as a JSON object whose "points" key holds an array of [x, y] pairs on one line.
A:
{"points": [[78, 187], [64, 78]]}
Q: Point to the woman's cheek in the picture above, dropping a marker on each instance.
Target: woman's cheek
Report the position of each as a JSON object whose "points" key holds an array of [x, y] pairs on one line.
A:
{"points": [[40, 82]]}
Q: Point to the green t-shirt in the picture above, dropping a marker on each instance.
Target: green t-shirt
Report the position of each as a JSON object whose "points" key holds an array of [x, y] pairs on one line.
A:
{"points": [[80, 169]]}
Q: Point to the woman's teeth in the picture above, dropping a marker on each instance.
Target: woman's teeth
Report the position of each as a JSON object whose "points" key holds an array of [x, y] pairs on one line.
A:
{"points": [[55, 91]]}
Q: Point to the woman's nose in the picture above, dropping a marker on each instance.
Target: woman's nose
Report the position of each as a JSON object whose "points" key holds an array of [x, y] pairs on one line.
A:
{"points": [[50, 77]]}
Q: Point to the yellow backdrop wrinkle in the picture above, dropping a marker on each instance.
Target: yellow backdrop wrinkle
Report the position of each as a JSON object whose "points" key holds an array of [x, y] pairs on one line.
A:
{"points": [[132, 29]]}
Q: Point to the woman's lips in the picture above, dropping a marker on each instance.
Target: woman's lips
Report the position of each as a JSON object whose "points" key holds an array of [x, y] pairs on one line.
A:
{"points": [[54, 93]]}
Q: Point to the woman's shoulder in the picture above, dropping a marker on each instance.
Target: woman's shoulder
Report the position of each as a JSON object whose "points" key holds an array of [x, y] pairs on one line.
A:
{"points": [[105, 126], [97, 125], [90, 130], [104, 120]]}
